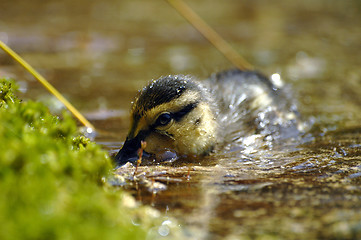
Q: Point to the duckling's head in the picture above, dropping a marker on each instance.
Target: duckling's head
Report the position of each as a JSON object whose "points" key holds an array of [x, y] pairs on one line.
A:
{"points": [[172, 113]]}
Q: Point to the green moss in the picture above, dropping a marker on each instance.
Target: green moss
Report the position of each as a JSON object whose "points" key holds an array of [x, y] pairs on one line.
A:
{"points": [[50, 179]]}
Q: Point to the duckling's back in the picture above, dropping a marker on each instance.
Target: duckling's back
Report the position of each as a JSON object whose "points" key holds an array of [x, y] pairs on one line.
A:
{"points": [[250, 105]]}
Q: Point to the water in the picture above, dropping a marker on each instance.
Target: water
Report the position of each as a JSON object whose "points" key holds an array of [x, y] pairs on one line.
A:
{"points": [[99, 54]]}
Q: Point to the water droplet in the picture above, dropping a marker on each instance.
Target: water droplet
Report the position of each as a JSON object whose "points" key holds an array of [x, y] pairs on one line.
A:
{"points": [[163, 230], [276, 80]]}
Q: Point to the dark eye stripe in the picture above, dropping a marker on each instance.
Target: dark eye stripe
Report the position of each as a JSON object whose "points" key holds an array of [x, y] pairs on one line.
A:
{"points": [[177, 116]]}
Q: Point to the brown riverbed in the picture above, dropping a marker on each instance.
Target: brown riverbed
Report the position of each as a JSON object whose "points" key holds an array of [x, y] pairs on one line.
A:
{"points": [[100, 53]]}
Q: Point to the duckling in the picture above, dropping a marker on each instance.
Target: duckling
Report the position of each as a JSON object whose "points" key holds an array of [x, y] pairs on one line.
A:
{"points": [[193, 118]]}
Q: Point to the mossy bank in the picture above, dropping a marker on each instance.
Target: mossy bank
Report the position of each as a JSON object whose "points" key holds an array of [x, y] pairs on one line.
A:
{"points": [[51, 179]]}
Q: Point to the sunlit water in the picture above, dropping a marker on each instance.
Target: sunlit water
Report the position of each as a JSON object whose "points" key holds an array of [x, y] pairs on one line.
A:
{"points": [[99, 54]]}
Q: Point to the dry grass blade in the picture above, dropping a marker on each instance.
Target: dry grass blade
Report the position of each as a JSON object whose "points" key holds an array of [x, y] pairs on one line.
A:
{"points": [[143, 145], [47, 85], [211, 35]]}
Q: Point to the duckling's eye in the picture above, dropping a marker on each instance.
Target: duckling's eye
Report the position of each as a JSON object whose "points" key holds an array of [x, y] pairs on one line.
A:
{"points": [[163, 119]]}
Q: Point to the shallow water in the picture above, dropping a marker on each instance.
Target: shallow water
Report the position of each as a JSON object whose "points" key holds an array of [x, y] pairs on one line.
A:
{"points": [[98, 54]]}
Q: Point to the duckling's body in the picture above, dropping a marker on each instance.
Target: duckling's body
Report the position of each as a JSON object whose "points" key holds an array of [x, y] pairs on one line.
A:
{"points": [[193, 118], [249, 104]]}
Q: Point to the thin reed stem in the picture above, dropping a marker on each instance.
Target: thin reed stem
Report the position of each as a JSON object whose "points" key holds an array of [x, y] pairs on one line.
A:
{"points": [[212, 36], [47, 85]]}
